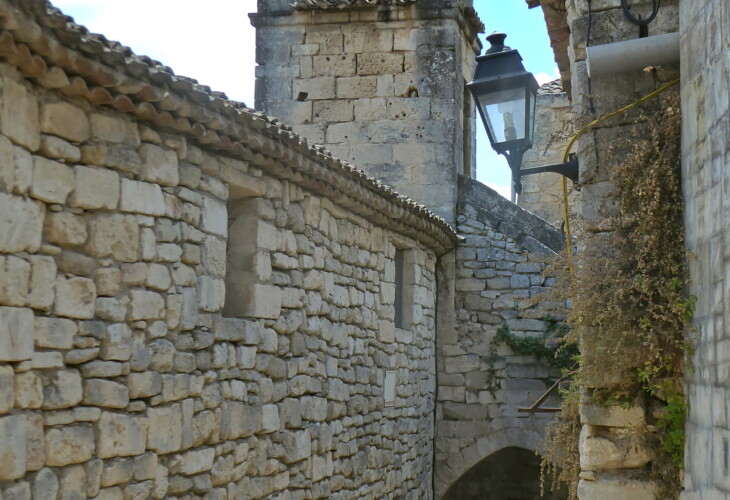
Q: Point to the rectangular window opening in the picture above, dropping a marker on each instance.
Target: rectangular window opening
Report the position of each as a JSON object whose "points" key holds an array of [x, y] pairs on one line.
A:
{"points": [[399, 287]]}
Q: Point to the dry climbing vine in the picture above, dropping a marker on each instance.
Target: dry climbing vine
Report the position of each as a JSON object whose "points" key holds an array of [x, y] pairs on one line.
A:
{"points": [[630, 313]]}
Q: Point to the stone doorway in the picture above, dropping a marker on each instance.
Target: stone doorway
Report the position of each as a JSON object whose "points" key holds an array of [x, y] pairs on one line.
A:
{"points": [[509, 474]]}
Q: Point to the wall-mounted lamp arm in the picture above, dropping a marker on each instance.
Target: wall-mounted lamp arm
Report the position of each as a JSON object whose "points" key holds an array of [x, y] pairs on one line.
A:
{"points": [[569, 169]]}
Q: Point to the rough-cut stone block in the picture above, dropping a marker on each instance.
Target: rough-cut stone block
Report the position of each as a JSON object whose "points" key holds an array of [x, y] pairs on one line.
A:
{"points": [[54, 333], [14, 281], [120, 435], [36, 449], [65, 120], [16, 333], [116, 343], [625, 489], [66, 229], [105, 393], [52, 181], [21, 224], [28, 388], [165, 434], [13, 446], [19, 115], [269, 418], [62, 390], [72, 483], [114, 236], [72, 444], [355, 87], [197, 462], [374, 63], [108, 128], [16, 167], [214, 217], [7, 398], [611, 416], [142, 197], [211, 293], [57, 148], [159, 165], [146, 305], [75, 298], [145, 384], [297, 446], [95, 188]]}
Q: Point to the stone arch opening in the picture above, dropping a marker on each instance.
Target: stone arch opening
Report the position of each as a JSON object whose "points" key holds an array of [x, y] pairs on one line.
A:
{"points": [[511, 473]]}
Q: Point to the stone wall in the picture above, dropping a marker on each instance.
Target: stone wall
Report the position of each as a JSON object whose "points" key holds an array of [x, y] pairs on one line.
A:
{"points": [[705, 56], [382, 86], [542, 194], [612, 465], [126, 369], [499, 268]]}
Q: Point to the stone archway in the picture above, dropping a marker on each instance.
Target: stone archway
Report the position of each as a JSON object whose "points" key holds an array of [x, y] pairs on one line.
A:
{"points": [[511, 473]]}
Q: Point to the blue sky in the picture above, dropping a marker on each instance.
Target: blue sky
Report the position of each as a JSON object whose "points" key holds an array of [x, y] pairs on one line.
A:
{"points": [[215, 45]]}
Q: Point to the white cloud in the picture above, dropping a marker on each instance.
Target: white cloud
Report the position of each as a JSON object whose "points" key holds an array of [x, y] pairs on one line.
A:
{"points": [[214, 44], [543, 78]]}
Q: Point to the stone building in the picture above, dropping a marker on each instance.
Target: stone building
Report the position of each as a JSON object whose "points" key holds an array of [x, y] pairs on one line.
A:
{"points": [[199, 301], [704, 68]]}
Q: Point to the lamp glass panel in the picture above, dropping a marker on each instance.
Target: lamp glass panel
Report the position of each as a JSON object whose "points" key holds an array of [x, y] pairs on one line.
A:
{"points": [[505, 113], [531, 116]]}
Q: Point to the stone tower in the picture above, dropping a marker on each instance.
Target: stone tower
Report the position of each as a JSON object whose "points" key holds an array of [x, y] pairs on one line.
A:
{"points": [[380, 83]]}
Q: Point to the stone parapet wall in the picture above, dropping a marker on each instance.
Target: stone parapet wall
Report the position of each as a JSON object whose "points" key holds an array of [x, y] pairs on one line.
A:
{"points": [[482, 385], [126, 369], [705, 64]]}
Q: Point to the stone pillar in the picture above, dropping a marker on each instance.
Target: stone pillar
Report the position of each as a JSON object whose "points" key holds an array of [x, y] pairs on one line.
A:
{"points": [[613, 463], [379, 83], [705, 87]]}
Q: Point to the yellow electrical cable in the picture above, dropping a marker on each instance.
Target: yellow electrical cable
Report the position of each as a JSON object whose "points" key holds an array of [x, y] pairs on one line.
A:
{"points": [[566, 157]]}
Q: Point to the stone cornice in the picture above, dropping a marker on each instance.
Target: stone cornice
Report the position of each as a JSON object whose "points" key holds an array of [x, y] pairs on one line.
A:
{"points": [[47, 47]]}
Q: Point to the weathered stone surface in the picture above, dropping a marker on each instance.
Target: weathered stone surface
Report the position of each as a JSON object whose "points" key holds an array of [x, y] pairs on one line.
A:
{"points": [[115, 236], [105, 393], [168, 418], [146, 305], [120, 435], [65, 229], [116, 343], [36, 449], [42, 282], [141, 197], [54, 333], [14, 281], [7, 396], [28, 390], [45, 485], [12, 446], [65, 120], [16, 339], [52, 181], [95, 188], [21, 224], [19, 115], [75, 298], [62, 390], [611, 416], [159, 165], [71, 444], [196, 462]]}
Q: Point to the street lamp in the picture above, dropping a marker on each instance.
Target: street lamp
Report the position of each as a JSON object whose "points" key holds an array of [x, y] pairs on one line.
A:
{"points": [[505, 95]]}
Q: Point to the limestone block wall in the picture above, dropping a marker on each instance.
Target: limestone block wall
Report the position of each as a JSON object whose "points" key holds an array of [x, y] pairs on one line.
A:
{"points": [[705, 64], [542, 194], [604, 427], [382, 86], [129, 368], [499, 268]]}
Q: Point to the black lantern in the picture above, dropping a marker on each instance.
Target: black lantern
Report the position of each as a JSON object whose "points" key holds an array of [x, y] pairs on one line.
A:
{"points": [[505, 95]]}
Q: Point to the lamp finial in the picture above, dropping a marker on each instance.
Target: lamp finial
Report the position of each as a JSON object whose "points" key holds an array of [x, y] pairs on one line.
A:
{"points": [[496, 40]]}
